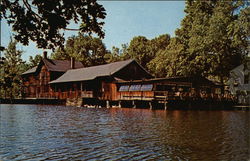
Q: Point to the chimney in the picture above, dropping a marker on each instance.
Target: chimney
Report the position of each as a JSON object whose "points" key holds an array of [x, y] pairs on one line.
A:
{"points": [[72, 63], [45, 54]]}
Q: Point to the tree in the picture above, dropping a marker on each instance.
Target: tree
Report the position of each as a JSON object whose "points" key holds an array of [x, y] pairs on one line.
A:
{"points": [[166, 62], [227, 45], [144, 50], [192, 34], [43, 20], [89, 50], [160, 43], [34, 61], [12, 67], [139, 50], [114, 55], [214, 36]]}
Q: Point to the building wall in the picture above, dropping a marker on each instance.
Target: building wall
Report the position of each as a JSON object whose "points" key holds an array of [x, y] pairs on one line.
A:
{"points": [[109, 91], [36, 85], [132, 71], [30, 83], [239, 82]]}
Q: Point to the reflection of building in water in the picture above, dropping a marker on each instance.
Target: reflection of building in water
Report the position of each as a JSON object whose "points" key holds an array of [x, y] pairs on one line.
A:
{"points": [[240, 82]]}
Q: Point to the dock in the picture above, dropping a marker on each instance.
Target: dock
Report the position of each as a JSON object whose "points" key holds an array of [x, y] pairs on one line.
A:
{"points": [[242, 107], [41, 101]]}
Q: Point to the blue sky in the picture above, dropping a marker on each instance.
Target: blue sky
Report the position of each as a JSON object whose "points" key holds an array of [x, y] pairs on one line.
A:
{"points": [[124, 20]]}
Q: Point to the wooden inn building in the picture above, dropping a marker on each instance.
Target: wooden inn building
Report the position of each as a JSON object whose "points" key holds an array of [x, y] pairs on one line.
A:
{"points": [[36, 80], [118, 82]]}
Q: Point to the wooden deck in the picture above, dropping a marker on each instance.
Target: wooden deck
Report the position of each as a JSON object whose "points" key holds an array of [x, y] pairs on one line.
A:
{"points": [[242, 107]]}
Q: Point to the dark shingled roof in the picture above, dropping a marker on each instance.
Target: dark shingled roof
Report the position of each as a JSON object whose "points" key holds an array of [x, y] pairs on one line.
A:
{"points": [[91, 73], [60, 65], [195, 80], [32, 70], [55, 65]]}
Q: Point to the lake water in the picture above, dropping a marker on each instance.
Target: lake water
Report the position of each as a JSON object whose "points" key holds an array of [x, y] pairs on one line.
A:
{"points": [[36, 132]]}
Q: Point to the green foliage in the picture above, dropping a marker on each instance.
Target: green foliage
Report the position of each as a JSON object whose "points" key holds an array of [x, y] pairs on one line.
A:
{"points": [[212, 40], [114, 55], [12, 67], [89, 50], [139, 50], [143, 50], [34, 61], [42, 20], [166, 62]]}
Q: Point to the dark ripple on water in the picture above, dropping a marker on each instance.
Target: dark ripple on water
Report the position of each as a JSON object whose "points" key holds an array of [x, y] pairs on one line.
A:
{"points": [[31, 132]]}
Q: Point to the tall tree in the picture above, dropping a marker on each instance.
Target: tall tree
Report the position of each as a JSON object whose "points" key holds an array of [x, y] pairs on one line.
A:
{"points": [[139, 50], [144, 50], [166, 62], [226, 43], [214, 37], [89, 50], [34, 61], [12, 67], [114, 55], [43, 20]]}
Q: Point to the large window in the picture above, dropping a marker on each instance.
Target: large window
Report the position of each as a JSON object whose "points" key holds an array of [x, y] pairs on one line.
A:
{"points": [[135, 87], [123, 88]]}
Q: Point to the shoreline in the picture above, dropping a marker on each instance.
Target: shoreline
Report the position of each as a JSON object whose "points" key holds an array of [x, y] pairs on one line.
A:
{"points": [[170, 105]]}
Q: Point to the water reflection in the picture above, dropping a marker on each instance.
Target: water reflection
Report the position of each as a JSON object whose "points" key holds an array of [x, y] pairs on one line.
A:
{"points": [[69, 133]]}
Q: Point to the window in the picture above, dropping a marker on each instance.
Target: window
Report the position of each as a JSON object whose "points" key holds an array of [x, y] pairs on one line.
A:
{"points": [[135, 88], [246, 78], [147, 87], [123, 88]]}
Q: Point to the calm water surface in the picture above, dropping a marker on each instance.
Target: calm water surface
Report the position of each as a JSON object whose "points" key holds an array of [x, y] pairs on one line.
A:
{"points": [[34, 132]]}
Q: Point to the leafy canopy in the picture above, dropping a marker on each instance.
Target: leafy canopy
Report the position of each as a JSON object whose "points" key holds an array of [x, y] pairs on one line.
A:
{"points": [[144, 50], [11, 69], [43, 20], [212, 40], [87, 49], [34, 61]]}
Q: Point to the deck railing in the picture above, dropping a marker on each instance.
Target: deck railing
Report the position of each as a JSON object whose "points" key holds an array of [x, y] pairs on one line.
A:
{"points": [[87, 94], [164, 95]]}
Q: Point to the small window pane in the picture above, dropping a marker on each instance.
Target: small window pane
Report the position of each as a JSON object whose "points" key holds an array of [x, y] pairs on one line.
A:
{"points": [[147, 87], [135, 88], [123, 88]]}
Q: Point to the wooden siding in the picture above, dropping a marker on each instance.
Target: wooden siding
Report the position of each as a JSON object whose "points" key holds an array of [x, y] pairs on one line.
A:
{"points": [[73, 90], [132, 71], [165, 90], [36, 85], [109, 91]]}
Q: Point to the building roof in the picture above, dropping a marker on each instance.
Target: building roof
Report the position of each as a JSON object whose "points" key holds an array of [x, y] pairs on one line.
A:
{"points": [[195, 80], [93, 72], [238, 69], [60, 65], [54, 65], [32, 70]]}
